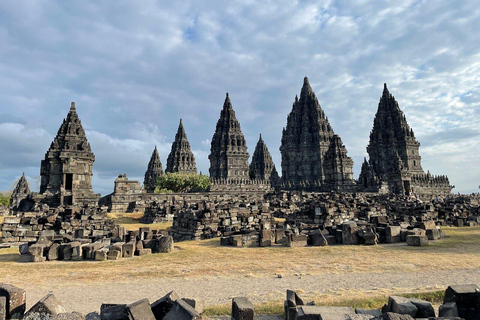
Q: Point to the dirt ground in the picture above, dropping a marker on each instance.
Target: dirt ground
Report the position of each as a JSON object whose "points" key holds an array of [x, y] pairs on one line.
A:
{"points": [[217, 274]]}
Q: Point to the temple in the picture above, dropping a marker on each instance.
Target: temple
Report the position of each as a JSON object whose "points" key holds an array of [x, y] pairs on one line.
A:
{"points": [[394, 163], [66, 172], [313, 157], [262, 166], [181, 158], [154, 170]]}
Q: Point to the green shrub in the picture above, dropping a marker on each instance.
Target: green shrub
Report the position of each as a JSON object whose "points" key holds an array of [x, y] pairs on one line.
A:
{"points": [[182, 182], [4, 200]]}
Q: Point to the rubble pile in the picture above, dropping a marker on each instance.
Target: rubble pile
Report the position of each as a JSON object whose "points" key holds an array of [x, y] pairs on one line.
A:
{"points": [[51, 246], [459, 302], [209, 219]]}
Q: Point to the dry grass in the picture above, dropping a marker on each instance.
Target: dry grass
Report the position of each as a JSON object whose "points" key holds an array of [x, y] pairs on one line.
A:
{"points": [[131, 221], [208, 259], [359, 301]]}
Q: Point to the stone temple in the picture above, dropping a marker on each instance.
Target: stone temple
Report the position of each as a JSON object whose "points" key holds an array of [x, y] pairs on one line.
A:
{"points": [[313, 156], [262, 166], [228, 153], [394, 163], [154, 170], [181, 158], [66, 172]]}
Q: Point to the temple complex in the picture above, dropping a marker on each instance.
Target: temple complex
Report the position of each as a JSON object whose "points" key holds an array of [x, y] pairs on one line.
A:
{"points": [[181, 158], [66, 171], [154, 170], [262, 166], [306, 140], [394, 163]]}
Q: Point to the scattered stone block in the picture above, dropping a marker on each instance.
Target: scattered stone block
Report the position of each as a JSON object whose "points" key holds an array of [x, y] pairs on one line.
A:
{"points": [[349, 233], [393, 234], [140, 310], [54, 252], [3, 308], [324, 313], [128, 249], [163, 305], [448, 309], [197, 304], [294, 240], [48, 305], [71, 316], [418, 241], [401, 305], [372, 312], [182, 311], [424, 308], [114, 253], [113, 311], [15, 301], [165, 244], [242, 309], [396, 316], [433, 234]]}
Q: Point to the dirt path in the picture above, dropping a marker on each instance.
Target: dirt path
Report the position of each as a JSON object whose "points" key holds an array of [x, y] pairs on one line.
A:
{"points": [[87, 298]]}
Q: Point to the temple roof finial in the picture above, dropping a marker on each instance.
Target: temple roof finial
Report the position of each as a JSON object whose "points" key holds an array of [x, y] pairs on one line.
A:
{"points": [[305, 81], [72, 106]]}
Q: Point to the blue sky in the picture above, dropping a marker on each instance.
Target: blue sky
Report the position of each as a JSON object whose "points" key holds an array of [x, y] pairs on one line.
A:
{"points": [[134, 68]]}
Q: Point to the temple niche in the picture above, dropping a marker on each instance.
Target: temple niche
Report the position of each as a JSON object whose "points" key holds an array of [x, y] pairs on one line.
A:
{"points": [[313, 156], [66, 172], [394, 163]]}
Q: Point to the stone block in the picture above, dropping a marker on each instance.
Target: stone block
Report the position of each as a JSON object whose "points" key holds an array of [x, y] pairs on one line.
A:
{"points": [[396, 316], [128, 249], [401, 305], [372, 312], [433, 234], [3, 308], [265, 238], [143, 252], [418, 241], [165, 244], [448, 309], [163, 305], [317, 238], [182, 311], [197, 304], [113, 311], [140, 310], [15, 301], [349, 233], [465, 297], [424, 308], [101, 254], [428, 225], [242, 309], [294, 240], [114, 253], [324, 313], [48, 305], [393, 234], [54, 252], [70, 316]]}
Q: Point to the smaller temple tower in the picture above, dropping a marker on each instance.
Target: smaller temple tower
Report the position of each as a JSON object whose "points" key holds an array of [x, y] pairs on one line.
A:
{"points": [[20, 193], [181, 158], [262, 167], [66, 172], [228, 153], [338, 167], [154, 170]]}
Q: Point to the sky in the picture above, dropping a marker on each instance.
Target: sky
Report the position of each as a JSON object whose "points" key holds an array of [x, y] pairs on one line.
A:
{"points": [[134, 68]]}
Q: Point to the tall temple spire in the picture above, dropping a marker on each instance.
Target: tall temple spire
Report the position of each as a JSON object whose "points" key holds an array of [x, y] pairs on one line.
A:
{"points": [[228, 152], [66, 171], [305, 140], [262, 166], [154, 170], [21, 192], [393, 150], [181, 158]]}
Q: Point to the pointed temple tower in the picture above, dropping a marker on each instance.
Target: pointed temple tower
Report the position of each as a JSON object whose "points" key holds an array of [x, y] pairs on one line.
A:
{"points": [[154, 170], [181, 158], [228, 153], [66, 172], [21, 192], [262, 167], [305, 143], [395, 162]]}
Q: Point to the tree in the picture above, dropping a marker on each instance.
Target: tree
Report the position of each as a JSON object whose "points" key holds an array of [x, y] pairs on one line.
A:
{"points": [[182, 182], [4, 199]]}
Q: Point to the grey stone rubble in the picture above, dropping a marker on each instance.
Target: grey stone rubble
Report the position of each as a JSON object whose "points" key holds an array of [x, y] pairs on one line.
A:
{"points": [[460, 302]]}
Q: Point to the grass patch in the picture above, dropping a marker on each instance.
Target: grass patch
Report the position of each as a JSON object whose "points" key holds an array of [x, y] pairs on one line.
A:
{"points": [[276, 308], [131, 221]]}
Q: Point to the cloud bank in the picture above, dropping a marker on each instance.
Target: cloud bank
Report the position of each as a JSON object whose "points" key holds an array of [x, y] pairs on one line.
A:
{"points": [[135, 68]]}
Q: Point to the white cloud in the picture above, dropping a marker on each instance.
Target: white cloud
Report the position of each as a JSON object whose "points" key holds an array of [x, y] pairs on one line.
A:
{"points": [[134, 70]]}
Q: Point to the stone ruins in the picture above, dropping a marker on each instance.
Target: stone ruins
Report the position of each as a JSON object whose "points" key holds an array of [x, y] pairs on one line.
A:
{"points": [[459, 302], [316, 192]]}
